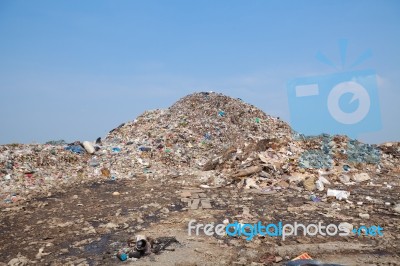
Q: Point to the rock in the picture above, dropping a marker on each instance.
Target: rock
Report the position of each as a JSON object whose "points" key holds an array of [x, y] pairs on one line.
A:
{"points": [[251, 183], [344, 179], [361, 177], [40, 254], [64, 251], [110, 225], [364, 216], [195, 204], [19, 261], [205, 204], [164, 210], [283, 184], [116, 193], [397, 208], [186, 194]]}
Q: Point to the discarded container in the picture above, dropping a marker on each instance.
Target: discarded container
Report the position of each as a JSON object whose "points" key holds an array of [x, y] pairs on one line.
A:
{"points": [[122, 256], [88, 147], [346, 168], [339, 194], [319, 185], [142, 245]]}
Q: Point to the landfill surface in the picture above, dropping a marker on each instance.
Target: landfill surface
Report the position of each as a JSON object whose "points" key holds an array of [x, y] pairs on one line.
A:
{"points": [[209, 158]]}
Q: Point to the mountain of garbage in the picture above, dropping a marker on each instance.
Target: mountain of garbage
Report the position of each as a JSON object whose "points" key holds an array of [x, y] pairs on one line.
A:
{"points": [[198, 126], [216, 139]]}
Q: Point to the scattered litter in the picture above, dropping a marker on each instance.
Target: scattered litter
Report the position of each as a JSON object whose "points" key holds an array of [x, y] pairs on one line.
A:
{"points": [[338, 194]]}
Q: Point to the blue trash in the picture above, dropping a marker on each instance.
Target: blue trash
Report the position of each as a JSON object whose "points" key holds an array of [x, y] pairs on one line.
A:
{"points": [[309, 263], [75, 149], [145, 149], [207, 136], [122, 256], [116, 149]]}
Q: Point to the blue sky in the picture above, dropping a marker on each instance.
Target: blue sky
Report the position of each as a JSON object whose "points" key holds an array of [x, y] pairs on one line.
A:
{"points": [[74, 70]]}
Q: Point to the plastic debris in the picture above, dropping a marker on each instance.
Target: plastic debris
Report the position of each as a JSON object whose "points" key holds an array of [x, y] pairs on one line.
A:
{"points": [[75, 148], [88, 147], [338, 194], [116, 149], [315, 198]]}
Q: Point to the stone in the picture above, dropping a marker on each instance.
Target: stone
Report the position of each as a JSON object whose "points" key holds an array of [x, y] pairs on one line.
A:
{"points": [[195, 204], [164, 210], [396, 208], [361, 177], [205, 204], [186, 194]]}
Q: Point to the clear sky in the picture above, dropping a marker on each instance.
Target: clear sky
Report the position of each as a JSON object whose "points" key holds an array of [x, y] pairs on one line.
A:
{"points": [[74, 70]]}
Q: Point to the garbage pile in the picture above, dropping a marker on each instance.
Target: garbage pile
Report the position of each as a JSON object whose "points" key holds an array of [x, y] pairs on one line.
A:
{"points": [[206, 135], [195, 127]]}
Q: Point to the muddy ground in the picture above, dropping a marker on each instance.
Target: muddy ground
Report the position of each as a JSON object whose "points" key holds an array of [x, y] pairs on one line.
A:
{"points": [[86, 224]]}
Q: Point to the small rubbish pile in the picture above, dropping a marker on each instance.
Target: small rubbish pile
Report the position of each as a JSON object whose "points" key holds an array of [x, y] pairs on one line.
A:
{"points": [[141, 246]]}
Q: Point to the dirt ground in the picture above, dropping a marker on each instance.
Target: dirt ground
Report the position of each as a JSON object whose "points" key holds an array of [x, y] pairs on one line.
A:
{"points": [[86, 224]]}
